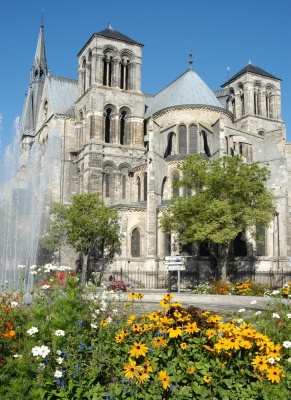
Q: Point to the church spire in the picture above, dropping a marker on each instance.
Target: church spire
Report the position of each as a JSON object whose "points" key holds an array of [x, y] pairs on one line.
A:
{"points": [[32, 103], [39, 68]]}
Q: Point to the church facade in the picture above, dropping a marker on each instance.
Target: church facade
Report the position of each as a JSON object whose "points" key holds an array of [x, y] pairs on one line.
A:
{"points": [[111, 138]]}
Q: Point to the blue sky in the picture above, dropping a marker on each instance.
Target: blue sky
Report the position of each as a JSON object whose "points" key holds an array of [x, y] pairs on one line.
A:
{"points": [[222, 34]]}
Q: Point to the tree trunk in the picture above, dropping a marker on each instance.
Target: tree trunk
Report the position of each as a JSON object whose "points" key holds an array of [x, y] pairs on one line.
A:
{"points": [[84, 269], [224, 260]]}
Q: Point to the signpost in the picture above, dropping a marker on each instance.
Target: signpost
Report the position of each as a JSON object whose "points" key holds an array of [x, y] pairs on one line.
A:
{"points": [[174, 263]]}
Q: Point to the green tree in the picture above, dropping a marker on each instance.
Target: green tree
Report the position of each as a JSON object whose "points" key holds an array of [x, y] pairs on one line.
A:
{"points": [[86, 225], [228, 197]]}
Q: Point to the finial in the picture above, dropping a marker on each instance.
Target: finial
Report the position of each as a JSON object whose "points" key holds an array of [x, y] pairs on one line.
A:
{"points": [[109, 26], [42, 16], [250, 62], [228, 69], [190, 57]]}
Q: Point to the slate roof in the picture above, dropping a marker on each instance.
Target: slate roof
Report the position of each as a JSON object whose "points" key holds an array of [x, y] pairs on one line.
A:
{"points": [[187, 90], [252, 69], [112, 33], [62, 94]]}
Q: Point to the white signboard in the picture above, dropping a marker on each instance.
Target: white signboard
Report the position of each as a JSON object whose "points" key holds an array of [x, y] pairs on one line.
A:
{"points": [[176, 267]]}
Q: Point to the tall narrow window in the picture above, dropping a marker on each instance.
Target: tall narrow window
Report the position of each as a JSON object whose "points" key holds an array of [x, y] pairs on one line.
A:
{"points": [[175, 179], [124, 175], [107, 125], [193, 139], [169, 148], [90, 69], [163, 188], [205, 143], [240, 245], [84, 75], [107, 71], [182, 139], [124, 73], [257, 105], [261, 240], [138, 189], [135, 243], [122, 128], [145, 186], [107, 185]]}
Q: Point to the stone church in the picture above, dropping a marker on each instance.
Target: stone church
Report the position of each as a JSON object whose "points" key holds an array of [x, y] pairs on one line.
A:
{"points": [[112, 138]]}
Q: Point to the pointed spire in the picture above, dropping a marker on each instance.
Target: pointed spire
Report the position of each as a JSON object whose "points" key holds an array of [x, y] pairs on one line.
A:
{"points": [[39, 68], [190, 58]]}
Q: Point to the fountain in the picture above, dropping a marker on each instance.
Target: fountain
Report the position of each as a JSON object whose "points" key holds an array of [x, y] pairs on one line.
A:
{"points": [[23, 196]]}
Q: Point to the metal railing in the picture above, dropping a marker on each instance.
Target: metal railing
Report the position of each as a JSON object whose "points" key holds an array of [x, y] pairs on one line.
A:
{"points": [[140, 279]]}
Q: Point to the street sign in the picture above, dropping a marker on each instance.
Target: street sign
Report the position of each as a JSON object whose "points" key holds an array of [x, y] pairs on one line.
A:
{"points": [[174, 263], [174, 258], [176, 267]]}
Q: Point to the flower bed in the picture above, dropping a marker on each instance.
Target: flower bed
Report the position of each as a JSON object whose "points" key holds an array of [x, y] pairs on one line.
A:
{"points": [[72, 343]]}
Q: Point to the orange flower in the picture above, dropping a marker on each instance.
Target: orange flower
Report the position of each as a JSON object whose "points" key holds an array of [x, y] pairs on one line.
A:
{"points": [[12, 333]]}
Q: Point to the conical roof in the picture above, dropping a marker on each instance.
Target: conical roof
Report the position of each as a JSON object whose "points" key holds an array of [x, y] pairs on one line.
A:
{"points": [[187, 90]]}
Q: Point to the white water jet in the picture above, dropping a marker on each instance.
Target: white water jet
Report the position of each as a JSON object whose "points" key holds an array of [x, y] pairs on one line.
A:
{"points": [[23, 196]]}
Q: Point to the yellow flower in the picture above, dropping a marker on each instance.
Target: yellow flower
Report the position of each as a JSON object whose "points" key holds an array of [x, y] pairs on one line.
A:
{"points": [[164, 303], [131, 320], [139, 350], [142, 377], [132, 370], [210, 333], [132, 295], [274, 374], [168, 296], [119, 338], [166, 320], [260, 363], [176, 304], [191, 369], [174, 332], [207, 378], [183, 346], [159, 342], [191, 328], [104, 323], [163, 377]]}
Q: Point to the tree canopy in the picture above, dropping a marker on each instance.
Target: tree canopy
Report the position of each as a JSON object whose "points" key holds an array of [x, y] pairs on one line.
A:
{"points": [[227, 198], [86, 225]]}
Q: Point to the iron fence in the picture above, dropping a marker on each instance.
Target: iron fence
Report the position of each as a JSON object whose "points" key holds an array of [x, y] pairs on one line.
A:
{"points": [[140, 279]]}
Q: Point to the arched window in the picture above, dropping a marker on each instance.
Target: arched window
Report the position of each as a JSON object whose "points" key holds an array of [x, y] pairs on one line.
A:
{"points": [[257, 105], [163, 188], [122, 131], [135, 243], [138, 189], [90, 69], [205, 143], [107, 70], [182, 139], [108, 181], [169, 148], [175, 179], [242, 99], [145, 186], [240, 245], [108, 125], [84, 74], [193, 139], [270, 103], [124, 73], [232, 101]]}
